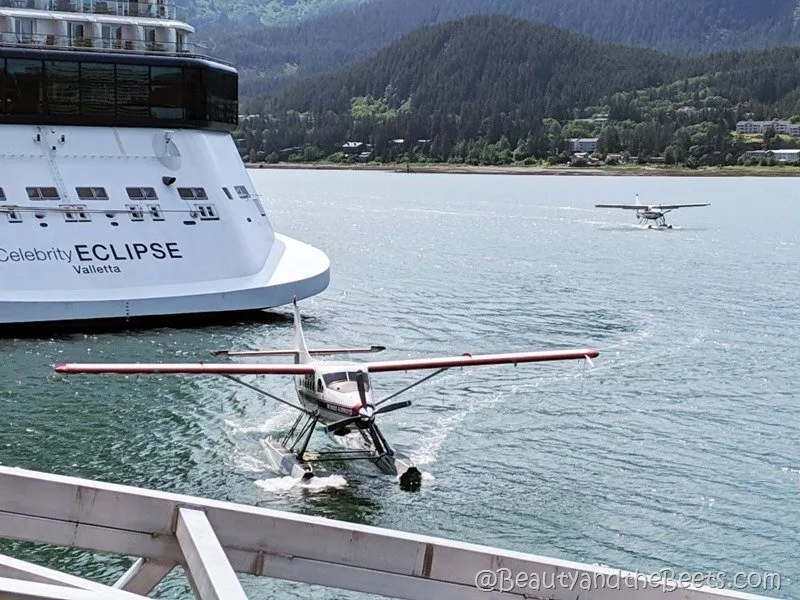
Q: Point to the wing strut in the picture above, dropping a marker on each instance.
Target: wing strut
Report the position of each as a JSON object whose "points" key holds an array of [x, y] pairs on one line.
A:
{"points": [[408, 387], [255, 388]]}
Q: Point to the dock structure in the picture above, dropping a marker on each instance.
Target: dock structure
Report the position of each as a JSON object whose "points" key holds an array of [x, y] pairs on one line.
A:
{"points": [[215, 541]]}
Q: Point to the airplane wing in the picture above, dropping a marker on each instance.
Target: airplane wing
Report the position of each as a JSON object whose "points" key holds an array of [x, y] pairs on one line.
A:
{"points": [[465, 360], [184, 368], [674, 206], [468, 360], [624, 206]]}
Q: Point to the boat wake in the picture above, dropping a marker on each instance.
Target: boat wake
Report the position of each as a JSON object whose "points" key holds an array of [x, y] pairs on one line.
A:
{"points": [[286, 484]]}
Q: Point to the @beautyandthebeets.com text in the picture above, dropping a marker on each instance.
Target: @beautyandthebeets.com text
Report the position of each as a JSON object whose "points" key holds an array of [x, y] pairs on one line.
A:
{"points": [[667, 580]]}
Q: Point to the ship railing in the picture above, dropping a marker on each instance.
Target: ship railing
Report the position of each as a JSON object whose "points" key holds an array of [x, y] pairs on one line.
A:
{"points": [[102, 44], [215, 541], [126, 8]]}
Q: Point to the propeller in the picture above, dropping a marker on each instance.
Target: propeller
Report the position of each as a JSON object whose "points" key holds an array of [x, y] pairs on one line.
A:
{"points": [[366, 414], [362, 388]]}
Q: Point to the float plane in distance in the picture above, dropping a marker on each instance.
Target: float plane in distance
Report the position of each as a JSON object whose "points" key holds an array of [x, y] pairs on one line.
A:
{"points": [[335, 396], [651, 214]]}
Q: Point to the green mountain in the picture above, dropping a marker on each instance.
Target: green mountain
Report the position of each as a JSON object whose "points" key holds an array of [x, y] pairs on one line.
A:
{"points": [[455, 85], [235, 13], [270, 57]]}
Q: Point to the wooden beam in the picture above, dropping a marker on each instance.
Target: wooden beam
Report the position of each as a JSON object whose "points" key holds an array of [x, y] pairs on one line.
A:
{"points": [[143, 576], [207, 567]]}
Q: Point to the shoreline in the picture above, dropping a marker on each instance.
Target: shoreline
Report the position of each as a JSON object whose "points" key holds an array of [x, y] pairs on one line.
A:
{"points": [[606, 171]]}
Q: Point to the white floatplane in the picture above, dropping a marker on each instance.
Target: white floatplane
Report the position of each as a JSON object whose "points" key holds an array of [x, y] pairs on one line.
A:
{"points": [[336, 395], [654, 215]]}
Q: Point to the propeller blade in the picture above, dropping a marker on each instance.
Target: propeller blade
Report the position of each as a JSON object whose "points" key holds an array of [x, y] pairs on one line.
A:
{"points": [[391, 407], [340, 424], [362, 388]]}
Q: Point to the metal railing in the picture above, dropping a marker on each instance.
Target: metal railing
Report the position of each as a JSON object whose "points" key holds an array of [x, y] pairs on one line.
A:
{"points": [[126, 8], [100, 44], [215, 540]]}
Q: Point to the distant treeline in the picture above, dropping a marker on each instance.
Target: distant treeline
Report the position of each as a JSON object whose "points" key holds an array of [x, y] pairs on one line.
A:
{"points": [[498, 89]]}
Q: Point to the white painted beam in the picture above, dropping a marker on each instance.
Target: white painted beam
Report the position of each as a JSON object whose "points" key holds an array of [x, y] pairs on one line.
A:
{"points": [[15, 589], [207, 567], [13, 568], [124, 520], [143, 576]]}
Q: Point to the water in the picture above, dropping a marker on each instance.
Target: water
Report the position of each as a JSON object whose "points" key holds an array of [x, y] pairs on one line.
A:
{"points": [[678, 450]]}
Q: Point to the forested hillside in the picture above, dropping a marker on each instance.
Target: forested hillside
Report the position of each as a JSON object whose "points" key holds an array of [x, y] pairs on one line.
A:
{"points": [[268, 57], [479, 101], [237, 13]]}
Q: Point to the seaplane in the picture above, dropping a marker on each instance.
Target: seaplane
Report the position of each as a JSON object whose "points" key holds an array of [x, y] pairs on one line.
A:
{"points": [[653, 215], [336, 396]]}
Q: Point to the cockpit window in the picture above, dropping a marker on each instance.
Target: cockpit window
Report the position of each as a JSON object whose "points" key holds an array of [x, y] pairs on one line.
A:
{"points": [[343, 376]]}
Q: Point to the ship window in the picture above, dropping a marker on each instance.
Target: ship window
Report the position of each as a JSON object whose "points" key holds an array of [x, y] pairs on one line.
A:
{"points": [[23, 87], [166, 86], [24, 30], [207, 212], [98, 89], [196, 193], [136, 212], [61, 88], [133, 90], [91, 193], [155, 212], [76, 34], [74, 92], [221, 97], [42, 193], [227, 193], [194, 95], [242, 191], [14, 216], [137, 193]]}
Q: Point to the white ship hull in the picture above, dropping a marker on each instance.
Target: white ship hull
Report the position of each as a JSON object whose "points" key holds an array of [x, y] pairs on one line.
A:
{"points": [[107, 260]]}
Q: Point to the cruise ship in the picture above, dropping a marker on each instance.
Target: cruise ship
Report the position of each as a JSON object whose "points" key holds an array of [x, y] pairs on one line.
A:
{"points": [[122, 194]]}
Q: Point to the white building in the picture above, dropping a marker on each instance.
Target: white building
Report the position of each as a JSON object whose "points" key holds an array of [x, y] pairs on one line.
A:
{"points": [[759, 127], [583, 144], [787, 157]]}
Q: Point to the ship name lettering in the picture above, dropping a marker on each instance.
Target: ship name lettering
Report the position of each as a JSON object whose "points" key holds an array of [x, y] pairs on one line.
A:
{"points": [[34, 255], [133, 251]]}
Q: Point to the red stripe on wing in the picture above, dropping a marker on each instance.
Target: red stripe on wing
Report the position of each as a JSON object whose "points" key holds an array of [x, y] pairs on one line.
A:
{"points": [[480, 360], [184, 368]]}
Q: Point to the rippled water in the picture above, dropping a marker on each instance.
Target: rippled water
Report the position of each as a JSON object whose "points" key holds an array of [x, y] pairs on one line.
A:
{"points": [[680, 449]]}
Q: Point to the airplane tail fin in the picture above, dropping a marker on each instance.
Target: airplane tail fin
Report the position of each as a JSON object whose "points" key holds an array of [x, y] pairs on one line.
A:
{"points": [[302, 355]]}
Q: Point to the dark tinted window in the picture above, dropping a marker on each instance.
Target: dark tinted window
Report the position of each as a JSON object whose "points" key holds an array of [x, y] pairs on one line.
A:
{"points": [[125, 94], [133, 90], [42, 193], [98, 88], [193, 95], [91, 193], [221, 96], [23, 86], [61, 89], [166, 91]]}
